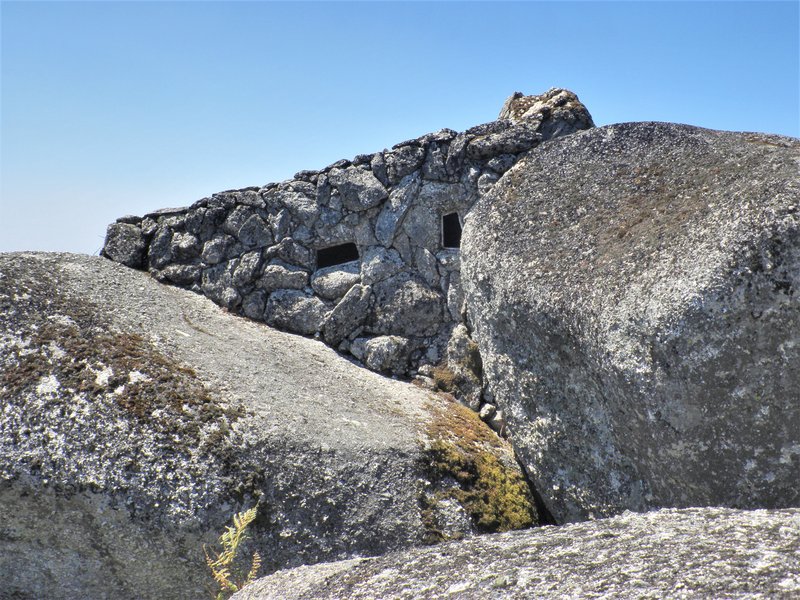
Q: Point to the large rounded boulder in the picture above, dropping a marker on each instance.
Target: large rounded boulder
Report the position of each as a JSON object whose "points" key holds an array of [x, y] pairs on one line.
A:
{"points": [[136, 419], [635, 293]]}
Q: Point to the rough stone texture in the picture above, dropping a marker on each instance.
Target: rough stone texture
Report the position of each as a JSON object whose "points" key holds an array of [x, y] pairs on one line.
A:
{"points": [[334, 282], [277, 277], [294, 310], [405, 306], [137, 418], [215, 249], [560, 109], [388, 353], [389, 204], [634, 292], [378, 264], [217, 284], [360, 189], [464, 361], [394, 210], [691, 553], [125, 244], [348, 316]]}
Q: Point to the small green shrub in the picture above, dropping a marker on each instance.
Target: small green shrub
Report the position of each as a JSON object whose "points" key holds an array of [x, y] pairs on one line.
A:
{"points": [[225, 573]]}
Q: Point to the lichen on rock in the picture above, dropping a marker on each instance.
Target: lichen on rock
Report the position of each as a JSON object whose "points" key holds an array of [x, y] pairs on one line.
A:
{"points": [[468, 463], [634, 292], [690, 553], [139, 417]]}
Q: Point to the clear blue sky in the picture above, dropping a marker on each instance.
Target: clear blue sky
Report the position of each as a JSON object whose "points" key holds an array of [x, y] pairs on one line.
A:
{"points": [[112, 108]]}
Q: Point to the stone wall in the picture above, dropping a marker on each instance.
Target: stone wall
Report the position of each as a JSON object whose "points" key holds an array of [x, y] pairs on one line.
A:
{"points": [[362, 254]]}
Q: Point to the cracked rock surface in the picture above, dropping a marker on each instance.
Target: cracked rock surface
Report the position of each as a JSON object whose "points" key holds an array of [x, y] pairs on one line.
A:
{"points": [[689, 553]]}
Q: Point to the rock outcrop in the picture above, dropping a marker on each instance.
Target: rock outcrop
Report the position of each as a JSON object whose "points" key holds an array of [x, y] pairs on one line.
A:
{"points": [[362, 254], [630, 293], [635, 293], [137, 418], [693, 553]]}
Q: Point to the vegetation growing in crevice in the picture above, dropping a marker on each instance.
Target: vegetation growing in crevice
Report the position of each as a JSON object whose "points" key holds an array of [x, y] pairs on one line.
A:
{"points": [[445, 379], [461, 373], [462, 449], [455, 379], [224, 569]]}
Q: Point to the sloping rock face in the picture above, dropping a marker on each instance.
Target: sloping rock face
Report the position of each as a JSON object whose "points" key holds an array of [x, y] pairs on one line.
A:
{"points": [[635, 296], [361, 250], [691, 553], [137, 418]]}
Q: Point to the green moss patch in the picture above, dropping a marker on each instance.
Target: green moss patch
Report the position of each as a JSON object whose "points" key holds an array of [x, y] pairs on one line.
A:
{"points": [[453, 382], [492, 490]]}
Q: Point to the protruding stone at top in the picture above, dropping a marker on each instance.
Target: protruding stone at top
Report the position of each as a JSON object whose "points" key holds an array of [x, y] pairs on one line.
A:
{"points": [[556, 105]]}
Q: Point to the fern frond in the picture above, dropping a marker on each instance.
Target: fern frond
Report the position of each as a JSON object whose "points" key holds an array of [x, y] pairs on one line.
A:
{"points": [[221, 563], [222, 577], [253, 569], [250, 515], [211, 562]]}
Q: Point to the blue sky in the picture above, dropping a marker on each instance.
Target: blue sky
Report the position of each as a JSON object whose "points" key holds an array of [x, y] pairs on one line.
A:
{"points": [[113, 108]]}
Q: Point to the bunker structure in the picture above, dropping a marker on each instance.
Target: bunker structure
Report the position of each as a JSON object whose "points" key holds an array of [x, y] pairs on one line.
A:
{"points": [[363, 254]]}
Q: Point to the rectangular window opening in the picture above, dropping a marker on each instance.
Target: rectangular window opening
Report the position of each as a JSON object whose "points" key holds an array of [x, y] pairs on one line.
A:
{"points": [[336, 255], [451, 231]]}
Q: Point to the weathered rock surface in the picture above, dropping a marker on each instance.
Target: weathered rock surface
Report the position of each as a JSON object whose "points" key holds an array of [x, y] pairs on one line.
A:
{"points": [[690, 553], [126, 244], [635, 293], [558, 110], [334, 282], [384, 211], [137, 418]]}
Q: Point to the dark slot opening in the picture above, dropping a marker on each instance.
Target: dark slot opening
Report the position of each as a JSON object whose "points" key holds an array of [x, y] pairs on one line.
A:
{"points": [[451, 231], [336, 255]]}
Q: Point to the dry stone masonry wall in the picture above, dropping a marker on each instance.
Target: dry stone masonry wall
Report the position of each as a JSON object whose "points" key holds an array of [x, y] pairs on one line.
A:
{"points": [[362, 254]]}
